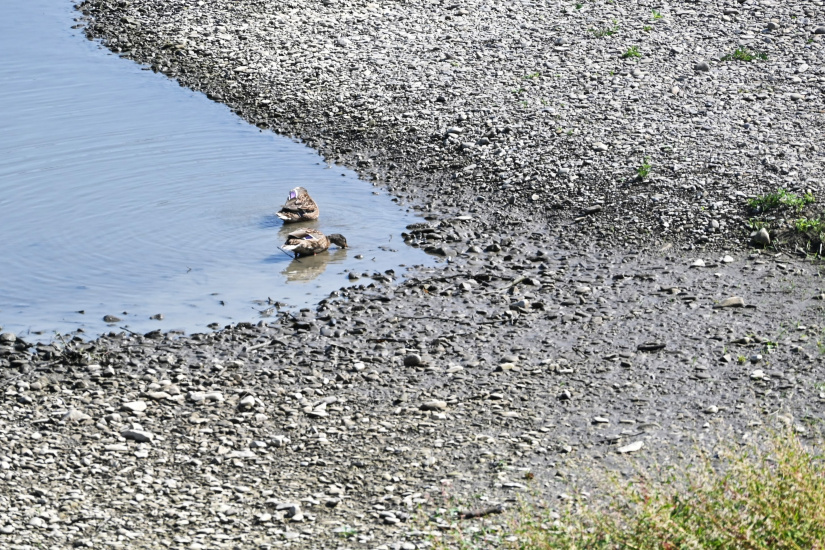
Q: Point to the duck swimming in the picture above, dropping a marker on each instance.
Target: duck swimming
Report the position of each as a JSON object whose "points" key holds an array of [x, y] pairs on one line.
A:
{"points": [[299, 207], [309, 242]]}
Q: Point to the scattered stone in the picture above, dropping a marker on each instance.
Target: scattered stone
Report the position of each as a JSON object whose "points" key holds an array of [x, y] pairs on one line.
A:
{"points": [[733, 301], [141, 436], [412, 360], [631, 447], [761, 238], [134, 406]]}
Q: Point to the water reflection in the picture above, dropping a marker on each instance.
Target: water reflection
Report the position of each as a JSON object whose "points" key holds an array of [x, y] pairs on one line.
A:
{"points": [[307, 268]]}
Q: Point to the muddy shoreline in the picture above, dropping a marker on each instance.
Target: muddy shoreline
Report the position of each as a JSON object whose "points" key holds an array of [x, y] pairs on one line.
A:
{"points": [[560, 333]]}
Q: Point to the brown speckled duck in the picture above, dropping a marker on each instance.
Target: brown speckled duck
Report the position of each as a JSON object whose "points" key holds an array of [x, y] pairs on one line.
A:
{"points": [[299, 207], [309, 242]]}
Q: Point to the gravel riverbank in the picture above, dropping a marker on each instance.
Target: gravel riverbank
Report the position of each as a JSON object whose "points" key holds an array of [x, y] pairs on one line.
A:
{"points": [[587, 319]]}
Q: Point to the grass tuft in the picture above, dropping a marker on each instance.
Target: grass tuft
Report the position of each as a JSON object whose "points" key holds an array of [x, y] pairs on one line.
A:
{"points": [[756, 500], [780, 198], [607, 31], [744, 54], [632, 51], [643, 171]]}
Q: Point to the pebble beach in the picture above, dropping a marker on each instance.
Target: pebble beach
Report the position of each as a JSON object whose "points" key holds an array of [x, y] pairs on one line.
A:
{"points": [[588, 315]]}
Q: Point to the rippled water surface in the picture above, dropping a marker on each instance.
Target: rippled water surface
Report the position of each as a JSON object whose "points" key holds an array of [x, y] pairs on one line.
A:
{"points": [[123, 194]]}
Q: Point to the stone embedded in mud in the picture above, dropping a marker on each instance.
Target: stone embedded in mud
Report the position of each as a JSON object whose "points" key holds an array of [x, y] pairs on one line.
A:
{"points": [[412, 360], [651, 346], [631, 447], [141, 436], [733, 301], [761, 238]]}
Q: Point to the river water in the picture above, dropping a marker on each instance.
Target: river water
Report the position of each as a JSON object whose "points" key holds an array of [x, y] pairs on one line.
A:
{"points": [[123, 194]]}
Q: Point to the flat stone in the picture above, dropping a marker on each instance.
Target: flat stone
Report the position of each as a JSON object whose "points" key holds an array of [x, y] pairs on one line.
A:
{"points": [[75, 416], [134, 406], [733, 301], [434, 405], [141, 436], [631, 447]]}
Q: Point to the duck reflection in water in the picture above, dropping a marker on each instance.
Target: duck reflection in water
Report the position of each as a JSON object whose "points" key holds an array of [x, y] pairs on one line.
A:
{"points": [[308, 268]]}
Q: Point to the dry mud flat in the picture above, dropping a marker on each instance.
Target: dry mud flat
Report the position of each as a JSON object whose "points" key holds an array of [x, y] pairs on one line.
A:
{"points": [[528, 365]]}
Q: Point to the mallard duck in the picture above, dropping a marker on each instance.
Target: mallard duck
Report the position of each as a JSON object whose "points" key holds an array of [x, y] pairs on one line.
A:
{"points": [[299, 207], [309, 242]]}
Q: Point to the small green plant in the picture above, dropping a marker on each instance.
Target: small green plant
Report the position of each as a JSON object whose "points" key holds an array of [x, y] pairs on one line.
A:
{"points": [[744, 54], [643, 171], [804, 225], [346, 532], [607, 31], [632, 51], [756, 225], [579, 5], [647, 28], [657, 15], [518, 91], [741, 359], [531, 76], [780, 198]]}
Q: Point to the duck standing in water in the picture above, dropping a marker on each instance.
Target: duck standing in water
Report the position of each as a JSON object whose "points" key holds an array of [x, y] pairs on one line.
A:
{"points": [[299, 207], [309, 242]]}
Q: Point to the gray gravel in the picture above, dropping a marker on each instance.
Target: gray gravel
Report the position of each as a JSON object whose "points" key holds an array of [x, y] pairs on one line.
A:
{"points": [[520, 112], [566, 334]]}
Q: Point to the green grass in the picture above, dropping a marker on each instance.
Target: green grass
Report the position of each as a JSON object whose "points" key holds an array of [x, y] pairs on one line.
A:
{"points": [[744, 54], [781, 198], [632, 51], [657, 15], [607, 31], [643, 171], [647, 28], [752, 500], [803, 225]]}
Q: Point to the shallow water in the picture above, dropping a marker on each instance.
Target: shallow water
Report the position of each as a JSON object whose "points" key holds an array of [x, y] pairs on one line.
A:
{"points": [[123, 194]]}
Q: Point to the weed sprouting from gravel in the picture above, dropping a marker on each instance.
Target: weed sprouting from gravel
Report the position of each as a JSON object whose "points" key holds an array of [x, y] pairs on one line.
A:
{"points": [[607, 31], [657, 15], [744, 54], [780, 198], [816, 225], [643, 171], [632, 51]]}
